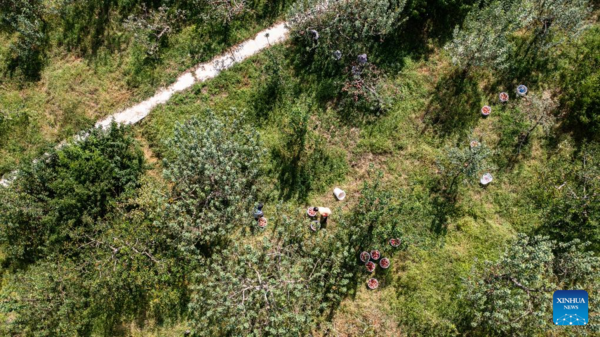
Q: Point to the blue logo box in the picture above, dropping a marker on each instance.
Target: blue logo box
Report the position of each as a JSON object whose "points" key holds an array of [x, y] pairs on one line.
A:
{"points": [[570, 307]]}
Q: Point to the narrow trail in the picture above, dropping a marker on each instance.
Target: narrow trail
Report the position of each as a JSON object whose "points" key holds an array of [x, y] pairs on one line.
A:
{"points": [[199, 73]]}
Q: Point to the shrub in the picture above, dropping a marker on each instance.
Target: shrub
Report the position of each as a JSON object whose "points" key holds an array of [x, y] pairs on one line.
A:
{"points": [[25, 19], [569, 194], [284, 283], [348, 26], [225, 12], [44, 301], [280, 285], [580, 79], [466, 164], [513, 295], [519, 124], [54, 201], [483, 38], [362, 87], [343, 32], [214, 168], [487, 36], [151, 28], [123, 269]]}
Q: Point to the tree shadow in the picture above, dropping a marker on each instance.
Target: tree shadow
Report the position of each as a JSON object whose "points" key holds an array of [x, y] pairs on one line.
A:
{"points": [[352, 265], [291, 160], [272, 9], [292, 177], [443, 207], [527, 66], [454, 108]]}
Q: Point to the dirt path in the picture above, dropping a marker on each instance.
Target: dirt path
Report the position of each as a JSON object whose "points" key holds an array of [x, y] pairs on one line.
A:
{"points": [[200, 73], [197, 74]]}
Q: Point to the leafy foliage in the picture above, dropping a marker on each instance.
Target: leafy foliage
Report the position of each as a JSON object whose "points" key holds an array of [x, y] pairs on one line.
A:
{"points": [[41, 299], [184, 251], [487, 36], [466, 163], [513, 295], [348, 26], [338, 36], [25, 19], [483, 38], [152, 28], [362, 87], [286, 281], [225, 11], [82, 261], [580, 80], [520, 124], [271, 288], [569, 194], [123, 269], [55, 201], [214, 169]]}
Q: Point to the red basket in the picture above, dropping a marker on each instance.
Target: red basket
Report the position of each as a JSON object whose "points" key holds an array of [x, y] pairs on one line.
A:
{"points": [[365, 256], [372, 283], [486, 110], [375, 255], [395, 242]]}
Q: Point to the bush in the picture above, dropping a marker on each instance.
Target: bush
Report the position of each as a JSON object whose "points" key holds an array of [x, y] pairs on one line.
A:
{"points": [[351, 27], [55, 201], [513, 295], [151, 29], [466, 164], [342, 32], [25, 21], [284, 283], [362, 88], [269, 289], [224, 12], [487, 36], [580, 79], [214, 168], [44, 301], [568, 191], [124, 269], [520, 123]]}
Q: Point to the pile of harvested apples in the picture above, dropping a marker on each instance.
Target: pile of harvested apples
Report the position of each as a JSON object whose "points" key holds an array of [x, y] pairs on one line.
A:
{"points": [[370, 258]]}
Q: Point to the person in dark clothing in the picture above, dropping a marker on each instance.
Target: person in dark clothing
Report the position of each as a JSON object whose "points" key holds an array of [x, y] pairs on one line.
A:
{"points": [[258, 213]]}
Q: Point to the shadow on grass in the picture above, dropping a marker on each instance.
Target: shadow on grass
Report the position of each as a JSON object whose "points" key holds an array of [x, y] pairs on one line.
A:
{"points": [[428, 25], [454, 108], [292, 177], [352, 265], [444, 208]]}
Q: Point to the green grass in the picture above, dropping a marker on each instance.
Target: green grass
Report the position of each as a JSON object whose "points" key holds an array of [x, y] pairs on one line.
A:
{"points": [[404, 143], [73, 92], [431, 107]]}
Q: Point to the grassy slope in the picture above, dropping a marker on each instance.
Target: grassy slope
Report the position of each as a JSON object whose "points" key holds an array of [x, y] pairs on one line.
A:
{"points": [[73, 92], [421, 295]]}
